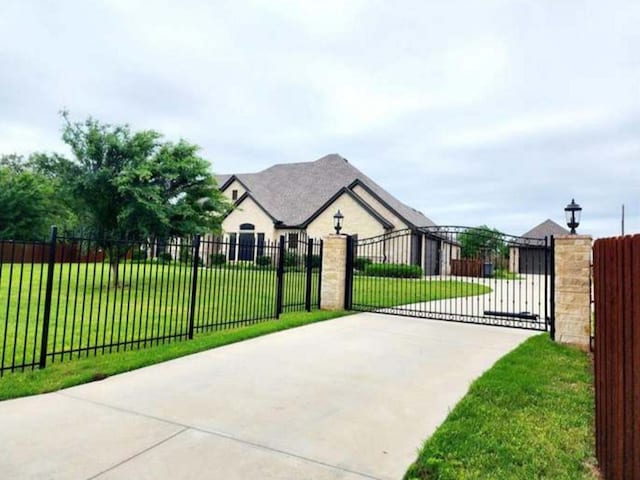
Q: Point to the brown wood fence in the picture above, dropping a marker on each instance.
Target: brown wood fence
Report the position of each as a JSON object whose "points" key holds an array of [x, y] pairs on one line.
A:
{"points": [[617, 356], [466, 267], [29, 252]]}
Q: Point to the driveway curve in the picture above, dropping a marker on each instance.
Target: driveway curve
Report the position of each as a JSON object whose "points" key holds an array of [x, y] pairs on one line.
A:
{"points": [[350, 398]]}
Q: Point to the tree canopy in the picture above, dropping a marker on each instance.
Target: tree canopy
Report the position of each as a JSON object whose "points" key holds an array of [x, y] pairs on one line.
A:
{"points": [[134, 185], [120, 186], [31, 201], [482, 241]]}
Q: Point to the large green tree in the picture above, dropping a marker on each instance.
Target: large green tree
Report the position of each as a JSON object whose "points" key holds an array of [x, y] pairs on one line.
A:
{"points": [[482, 242], [31, 201], [129, 185]]}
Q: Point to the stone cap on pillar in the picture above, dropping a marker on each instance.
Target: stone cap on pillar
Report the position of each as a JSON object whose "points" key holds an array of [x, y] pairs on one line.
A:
{"points": [[572, 236]]}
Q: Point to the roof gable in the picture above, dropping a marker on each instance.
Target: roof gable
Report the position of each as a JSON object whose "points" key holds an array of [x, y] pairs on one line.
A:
{"points": [[546, 229], [247, 195], [407, 214], [293, 192], [345, 191]]}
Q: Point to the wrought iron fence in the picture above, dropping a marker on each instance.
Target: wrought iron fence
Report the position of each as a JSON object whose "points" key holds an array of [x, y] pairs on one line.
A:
{"points": [[301, 268], [463, 274], [73, 297]]}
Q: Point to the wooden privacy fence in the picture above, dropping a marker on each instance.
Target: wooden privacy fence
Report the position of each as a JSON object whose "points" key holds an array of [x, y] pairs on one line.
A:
{"points": [[617, 356], [466, 267], [33, 252]]}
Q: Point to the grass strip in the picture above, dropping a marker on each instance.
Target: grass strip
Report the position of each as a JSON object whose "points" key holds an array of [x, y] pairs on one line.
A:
{"points": [[529, 417], [67, 374]]}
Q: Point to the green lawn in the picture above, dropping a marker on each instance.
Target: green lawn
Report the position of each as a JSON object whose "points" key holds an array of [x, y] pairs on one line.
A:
{"points": [[529, 417], [87, 311], [389, 292], [90, 316], [67, 374]]}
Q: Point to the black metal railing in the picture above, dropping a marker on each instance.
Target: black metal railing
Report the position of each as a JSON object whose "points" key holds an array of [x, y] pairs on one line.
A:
{"points": [[73, 297], [463, 274], [302, 264]]}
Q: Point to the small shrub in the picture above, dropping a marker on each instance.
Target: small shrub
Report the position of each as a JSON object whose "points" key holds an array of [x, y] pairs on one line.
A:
{"points": [[217, 259], [186, 253], [290, 259], [244, 265], [165, 257], [316, 261], [397, 270], [263, 261], [138, 254], [360, 263]]}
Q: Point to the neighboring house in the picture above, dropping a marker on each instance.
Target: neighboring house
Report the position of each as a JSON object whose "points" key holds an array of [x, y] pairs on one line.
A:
{"points": [[298, 200], [532, 258]]}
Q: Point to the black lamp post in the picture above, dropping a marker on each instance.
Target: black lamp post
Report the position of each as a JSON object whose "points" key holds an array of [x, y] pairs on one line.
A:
{"points": [[572, 214], [337, 221]]}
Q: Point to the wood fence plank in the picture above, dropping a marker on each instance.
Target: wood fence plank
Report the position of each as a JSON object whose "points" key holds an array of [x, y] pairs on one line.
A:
{"points": [[616, 284], [634, 336]]}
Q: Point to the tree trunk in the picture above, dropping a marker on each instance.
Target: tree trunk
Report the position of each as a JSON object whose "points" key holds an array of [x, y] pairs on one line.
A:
{"points": [[114, 263]]}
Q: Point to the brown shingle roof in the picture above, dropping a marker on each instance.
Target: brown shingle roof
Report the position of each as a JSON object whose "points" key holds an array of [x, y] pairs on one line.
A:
{"points": [[221, 179], [292, 192], [546, 229]]}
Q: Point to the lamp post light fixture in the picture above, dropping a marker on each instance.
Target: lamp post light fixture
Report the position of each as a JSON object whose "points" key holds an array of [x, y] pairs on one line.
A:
{"points": [[337, 222], [572, 214]]}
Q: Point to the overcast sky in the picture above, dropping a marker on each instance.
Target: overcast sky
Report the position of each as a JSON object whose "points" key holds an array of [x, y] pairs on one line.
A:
{"points": [[474, 112]]}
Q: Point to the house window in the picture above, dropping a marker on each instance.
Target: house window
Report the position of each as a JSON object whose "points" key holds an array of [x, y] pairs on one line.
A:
{"points": [[247, 226], [234, 194], [293, 241]]}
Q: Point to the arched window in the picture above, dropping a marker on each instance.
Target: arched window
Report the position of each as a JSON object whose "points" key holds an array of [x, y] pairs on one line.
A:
{"points": [[247, 226]]}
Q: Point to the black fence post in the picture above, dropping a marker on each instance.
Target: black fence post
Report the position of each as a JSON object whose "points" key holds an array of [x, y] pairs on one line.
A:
{"points": [[320, 274], [194, 284], [552, 290], [307, 294], [47, 298], [348, 288], [280, 275]]}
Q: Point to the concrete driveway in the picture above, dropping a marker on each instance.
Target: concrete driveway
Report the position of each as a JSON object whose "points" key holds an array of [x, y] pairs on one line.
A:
{"points": [[350, 398]]}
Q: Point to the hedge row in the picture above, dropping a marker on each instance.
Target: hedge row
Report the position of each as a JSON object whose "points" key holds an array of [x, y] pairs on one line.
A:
{"points": [[397, 270]]}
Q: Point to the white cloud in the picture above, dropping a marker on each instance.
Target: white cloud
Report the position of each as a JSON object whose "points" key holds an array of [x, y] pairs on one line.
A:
{"points": [[529, 125], [490, 112]]}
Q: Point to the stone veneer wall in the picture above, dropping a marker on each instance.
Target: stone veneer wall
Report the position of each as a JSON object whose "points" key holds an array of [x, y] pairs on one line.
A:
{"points": [[334, 263], [573, 289]]}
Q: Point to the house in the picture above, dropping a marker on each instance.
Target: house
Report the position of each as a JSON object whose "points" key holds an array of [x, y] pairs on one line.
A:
{"points": [[530, 257], [298, 200]]}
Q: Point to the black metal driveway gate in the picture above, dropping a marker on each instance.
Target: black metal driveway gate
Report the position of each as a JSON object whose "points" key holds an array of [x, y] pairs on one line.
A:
{"points": [[463, 274]]}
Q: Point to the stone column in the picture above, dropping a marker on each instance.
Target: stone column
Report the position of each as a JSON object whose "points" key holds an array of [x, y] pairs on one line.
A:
{"points": [[334, 270], [573, 289]]}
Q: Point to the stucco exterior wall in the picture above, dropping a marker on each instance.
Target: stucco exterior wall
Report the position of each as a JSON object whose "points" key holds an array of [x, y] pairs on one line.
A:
{"points": [[356, 220], [302, 234], [235, 185], [249, 212], [398, 224]]}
